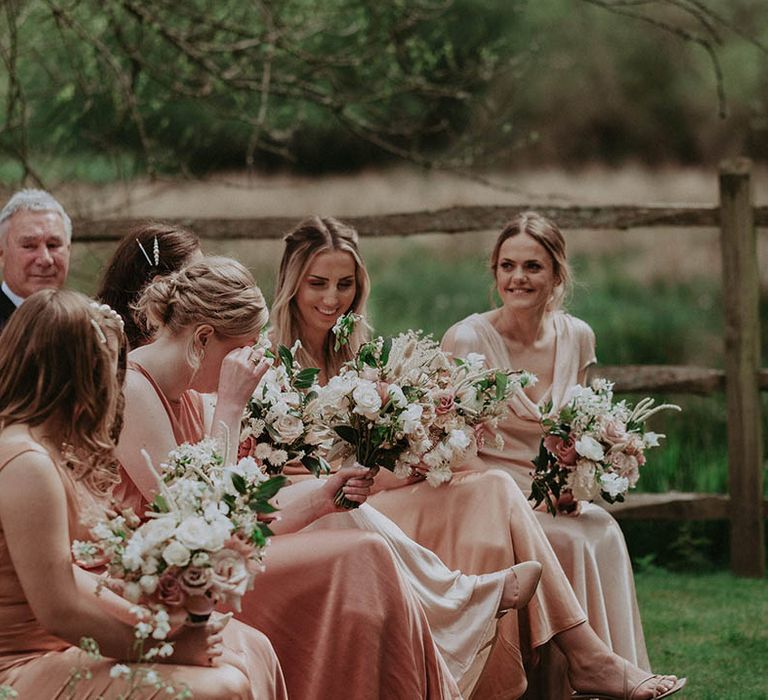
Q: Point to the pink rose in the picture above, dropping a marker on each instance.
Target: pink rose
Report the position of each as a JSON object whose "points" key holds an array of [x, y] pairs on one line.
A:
{"points": [[169, 590], [614, 432], [247, 447], [445, 402], [195, 580], [231, 577], [564, 450]]}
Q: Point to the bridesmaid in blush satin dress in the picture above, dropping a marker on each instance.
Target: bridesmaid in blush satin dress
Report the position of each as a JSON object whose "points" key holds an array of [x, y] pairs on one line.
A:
{"points": [[480, 521], [48, 498], [343, 620]]}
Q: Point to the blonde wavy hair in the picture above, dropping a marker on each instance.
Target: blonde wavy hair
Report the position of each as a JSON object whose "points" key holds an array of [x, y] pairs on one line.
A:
{"points": [[310, 238], [216, 291], [549, 236], [56, 366]]}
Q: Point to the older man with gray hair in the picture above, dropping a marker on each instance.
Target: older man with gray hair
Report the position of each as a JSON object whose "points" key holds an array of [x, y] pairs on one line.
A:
{"points": [[35, 241]]}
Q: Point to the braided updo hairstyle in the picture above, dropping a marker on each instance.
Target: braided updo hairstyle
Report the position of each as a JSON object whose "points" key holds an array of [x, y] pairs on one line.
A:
{"points": [[217, 291]]}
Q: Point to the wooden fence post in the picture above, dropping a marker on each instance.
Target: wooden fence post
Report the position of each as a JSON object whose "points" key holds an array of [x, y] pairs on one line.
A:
{"points": [[741, 297]]}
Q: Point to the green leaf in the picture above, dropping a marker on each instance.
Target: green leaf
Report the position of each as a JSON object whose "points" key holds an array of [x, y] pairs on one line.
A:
{"points": [[316, 465], [286, 358], [501, 385], [160, 504], [306, 378], [239, 483], [386, 348], [347, 433], [270, 487]]}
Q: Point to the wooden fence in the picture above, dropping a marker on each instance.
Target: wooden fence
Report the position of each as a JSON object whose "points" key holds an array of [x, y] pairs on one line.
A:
{"points": [[742, 380]]}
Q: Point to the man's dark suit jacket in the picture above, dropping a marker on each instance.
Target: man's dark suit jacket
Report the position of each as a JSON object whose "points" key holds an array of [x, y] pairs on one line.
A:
{"points": [[7, 307]]}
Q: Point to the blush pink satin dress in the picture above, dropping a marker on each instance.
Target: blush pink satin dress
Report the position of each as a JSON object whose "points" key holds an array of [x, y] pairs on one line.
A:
{"points": [[341, 617], [37, 664], [590, 546]]}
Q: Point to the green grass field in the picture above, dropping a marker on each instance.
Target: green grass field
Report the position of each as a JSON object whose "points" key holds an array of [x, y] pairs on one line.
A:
{"points": [[711, 628]]}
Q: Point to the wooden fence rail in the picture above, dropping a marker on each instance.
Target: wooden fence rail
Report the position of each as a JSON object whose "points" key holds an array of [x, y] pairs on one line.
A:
{"points": [[450, 220], [742, 380]]}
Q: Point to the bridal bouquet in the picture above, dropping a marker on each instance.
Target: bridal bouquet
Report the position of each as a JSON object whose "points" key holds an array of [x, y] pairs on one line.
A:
{"points": [[401, 402], [202, 541], [593, 446], [276, 427]]}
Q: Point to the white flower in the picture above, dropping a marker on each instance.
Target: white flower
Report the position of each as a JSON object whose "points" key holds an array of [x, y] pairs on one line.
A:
{"points": [[119, 671], [289, 427], [613, 484], [651, 439], [468, 398], [475, 360], [590, 448], [176, 554], [148, 584], [367, 399], [132, 591], [397, 396], [157, 530], [251, 470], [200, 559], [410, 418], [581, 481], [278, 457], [151, 677], [436, 477], [263, 450], [458, 440], [133, 553]]}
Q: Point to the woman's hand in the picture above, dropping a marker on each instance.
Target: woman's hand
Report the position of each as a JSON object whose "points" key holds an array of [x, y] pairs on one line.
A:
{"points": [[355, 483], [198, 645], [240, 374]]}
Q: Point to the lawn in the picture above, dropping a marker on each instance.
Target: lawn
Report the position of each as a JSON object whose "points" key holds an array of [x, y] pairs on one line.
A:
{"points": [[710, 627]]}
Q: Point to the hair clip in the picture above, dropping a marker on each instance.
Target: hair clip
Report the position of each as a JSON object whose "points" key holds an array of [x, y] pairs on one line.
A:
{"points": [[146, 255], [156, 252]]}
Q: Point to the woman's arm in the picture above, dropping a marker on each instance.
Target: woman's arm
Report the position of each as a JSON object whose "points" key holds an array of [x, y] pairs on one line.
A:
{"points": [[33, 512], [314, 503], [146, 427], [241, 372]]}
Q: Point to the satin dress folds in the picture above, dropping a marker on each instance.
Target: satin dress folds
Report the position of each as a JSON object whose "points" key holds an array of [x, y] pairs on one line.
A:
{"points": [[336, 607], [590, 546], [37, 664]]}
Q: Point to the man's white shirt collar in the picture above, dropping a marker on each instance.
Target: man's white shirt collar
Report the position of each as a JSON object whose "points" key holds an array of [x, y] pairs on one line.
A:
{"points": [[15, 298]]}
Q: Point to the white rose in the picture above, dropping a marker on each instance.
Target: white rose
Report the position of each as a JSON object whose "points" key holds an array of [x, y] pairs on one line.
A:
{"points": [[176, 554], [613, 484], [590, 448], [195, 533], [288, 427], [251, 469], [367, 399], [410, 418]]}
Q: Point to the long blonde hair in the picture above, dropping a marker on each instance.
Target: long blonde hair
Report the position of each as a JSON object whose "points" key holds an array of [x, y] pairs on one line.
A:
{"points": [[310, 238], [216, 291], [55, 365], [548, 235]]}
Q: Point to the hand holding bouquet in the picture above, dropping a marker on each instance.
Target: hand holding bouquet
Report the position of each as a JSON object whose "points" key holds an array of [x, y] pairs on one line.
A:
{"points": [[593, 446], [276, 428], [202, 541]]}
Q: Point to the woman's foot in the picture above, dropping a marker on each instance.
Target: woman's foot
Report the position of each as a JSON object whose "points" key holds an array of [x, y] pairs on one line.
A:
{"points": [[520, 585], [610, 676]]}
